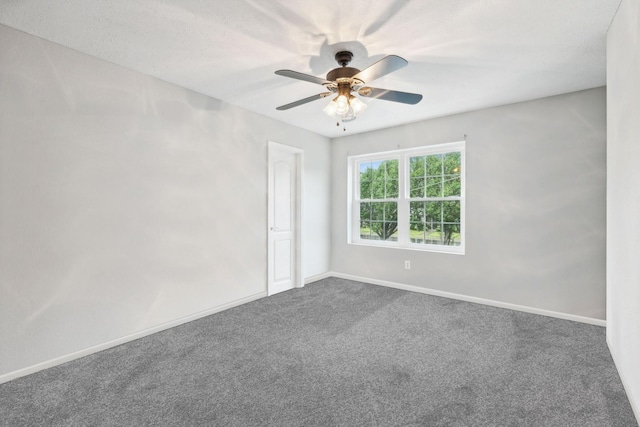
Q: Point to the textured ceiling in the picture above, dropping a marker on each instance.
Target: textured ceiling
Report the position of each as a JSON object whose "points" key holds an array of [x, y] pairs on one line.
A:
{"points": [[463, 54]]}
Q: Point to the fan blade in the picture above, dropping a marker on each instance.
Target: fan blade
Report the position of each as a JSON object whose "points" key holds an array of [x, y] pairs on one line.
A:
{"points": [[381, 68], [303, 101], [390, 95], [302, 76]]}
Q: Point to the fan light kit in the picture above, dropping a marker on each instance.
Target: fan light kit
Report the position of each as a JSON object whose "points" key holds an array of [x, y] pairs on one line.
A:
{"points": [[345, 80]]}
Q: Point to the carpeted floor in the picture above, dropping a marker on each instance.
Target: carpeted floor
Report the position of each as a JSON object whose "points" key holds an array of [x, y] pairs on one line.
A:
{"points": [[338, 353]]}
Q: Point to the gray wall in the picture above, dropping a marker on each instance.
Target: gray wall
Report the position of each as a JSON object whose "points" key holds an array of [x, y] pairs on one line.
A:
{"points": [[127, 202], [623, 196], [535, 208]]}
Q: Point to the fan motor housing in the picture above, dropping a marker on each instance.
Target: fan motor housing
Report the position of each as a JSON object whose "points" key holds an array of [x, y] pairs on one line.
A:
{"points": [[342, 73]]}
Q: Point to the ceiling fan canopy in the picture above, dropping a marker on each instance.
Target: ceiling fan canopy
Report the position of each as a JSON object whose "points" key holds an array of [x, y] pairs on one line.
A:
{"points": [[344, 81]]}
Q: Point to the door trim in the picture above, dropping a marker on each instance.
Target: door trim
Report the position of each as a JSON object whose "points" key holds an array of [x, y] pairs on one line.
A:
{"points": [[299, 153]]}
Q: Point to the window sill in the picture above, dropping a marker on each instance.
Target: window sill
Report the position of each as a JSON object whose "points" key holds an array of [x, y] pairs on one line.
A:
{"points": [[453, 250]]}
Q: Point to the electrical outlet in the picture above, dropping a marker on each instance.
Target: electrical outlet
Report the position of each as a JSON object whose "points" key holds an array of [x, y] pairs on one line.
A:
{"points": [[407, 265]]}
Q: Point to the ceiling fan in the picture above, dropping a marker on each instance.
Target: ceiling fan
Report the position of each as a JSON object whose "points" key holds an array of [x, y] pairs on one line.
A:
{"points": [[345, 80]]}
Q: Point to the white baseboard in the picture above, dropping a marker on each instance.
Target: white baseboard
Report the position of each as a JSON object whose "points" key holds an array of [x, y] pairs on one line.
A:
{"points": [[635, 404], [87, 351], [411, 288], [317, 277]]}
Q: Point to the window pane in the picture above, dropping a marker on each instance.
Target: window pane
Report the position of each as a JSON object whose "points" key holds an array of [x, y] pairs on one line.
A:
{"points": [[451, 211], [435, 223], [365, 171], [365, 220], [416, 166], [416, 187], [452, 169], [416, 212], [379, 221], [388, 227], [365, 230], [433, 213], [451, 185], [377, 211], [416, 222], [391, 169], [434, 186], [452, 163], [379, 180], [365, 211], [365, 190], [366, 174], [391, 179], [390, 211], [390, 231], [391, 189], [451, 234], [436, 175], [451, 223], [434, 165], [378, 185], [416, 176]]}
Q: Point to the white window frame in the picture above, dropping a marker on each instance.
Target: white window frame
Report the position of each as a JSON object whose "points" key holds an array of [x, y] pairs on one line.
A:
{"points": [[403, 200]]}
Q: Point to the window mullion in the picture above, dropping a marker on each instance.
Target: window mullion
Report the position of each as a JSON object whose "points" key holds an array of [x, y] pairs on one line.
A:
{"points": [[403, 203]]}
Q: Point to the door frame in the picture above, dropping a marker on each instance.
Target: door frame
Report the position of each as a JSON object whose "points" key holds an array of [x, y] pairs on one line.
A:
{"points": [[299, 154]]}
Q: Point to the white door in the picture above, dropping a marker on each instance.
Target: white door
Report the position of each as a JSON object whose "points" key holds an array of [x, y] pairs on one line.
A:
{"points": [[284, 218]]}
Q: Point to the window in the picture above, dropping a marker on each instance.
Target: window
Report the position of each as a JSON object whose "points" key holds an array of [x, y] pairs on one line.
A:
{"points": [[379, 200], [409, 198]]}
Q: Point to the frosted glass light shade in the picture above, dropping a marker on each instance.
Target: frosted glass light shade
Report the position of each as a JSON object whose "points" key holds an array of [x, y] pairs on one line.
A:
{"points": [[349, 115], [357, 105], [331, 108], [342, 105]]}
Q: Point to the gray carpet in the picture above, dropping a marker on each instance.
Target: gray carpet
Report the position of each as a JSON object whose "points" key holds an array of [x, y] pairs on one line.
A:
{"points": [[338, 353]]}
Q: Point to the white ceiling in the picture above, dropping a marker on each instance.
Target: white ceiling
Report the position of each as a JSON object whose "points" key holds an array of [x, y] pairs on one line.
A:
{"points": [[463, 54]]}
